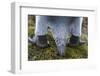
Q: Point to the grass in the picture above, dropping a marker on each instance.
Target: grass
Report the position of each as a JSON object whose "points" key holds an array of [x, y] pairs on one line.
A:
{"points": [[35, 53]]}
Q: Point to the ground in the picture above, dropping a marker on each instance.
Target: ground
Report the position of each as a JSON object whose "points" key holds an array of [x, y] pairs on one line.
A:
{"points": [[50, 53]]}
